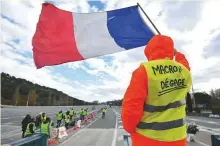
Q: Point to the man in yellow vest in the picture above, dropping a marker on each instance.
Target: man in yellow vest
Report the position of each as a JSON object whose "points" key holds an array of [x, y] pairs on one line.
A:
{"points": [[43, 117], [71, 113], [103, 112], [30, 130], [81, 114], [67, 120], [161, 85], [84, 114], [45, 128], [59, 117]]}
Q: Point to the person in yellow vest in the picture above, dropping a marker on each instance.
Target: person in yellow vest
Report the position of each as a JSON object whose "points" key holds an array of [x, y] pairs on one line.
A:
{"points": [[71, 113], [45, 128], [161, 85], [43, 117], [67, 120], [84, 114], [51, 124], [81, 114], [30, 130], [59, 117], [103, 112]]}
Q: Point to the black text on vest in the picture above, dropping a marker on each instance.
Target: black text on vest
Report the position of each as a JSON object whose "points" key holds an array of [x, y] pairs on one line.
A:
{"points": [[164, 69]]}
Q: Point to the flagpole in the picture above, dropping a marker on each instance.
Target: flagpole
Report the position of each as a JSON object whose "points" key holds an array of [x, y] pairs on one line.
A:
{"points": [[148, 18]]}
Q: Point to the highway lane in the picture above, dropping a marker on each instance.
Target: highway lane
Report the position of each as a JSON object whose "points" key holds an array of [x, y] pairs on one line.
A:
{"points": [[11, 119], [109, 131]]}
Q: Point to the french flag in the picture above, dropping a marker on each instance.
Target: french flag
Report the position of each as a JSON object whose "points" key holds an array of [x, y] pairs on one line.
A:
{"points": [[62, 36]]}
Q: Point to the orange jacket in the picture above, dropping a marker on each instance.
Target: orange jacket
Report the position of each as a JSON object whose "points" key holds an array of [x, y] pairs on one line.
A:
{"points": [[159, 47]]}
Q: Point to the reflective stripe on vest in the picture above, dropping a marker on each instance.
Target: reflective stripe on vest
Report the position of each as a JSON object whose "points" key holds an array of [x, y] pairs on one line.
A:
{"points": [[164, 109], [152, 108], [44, 128], [28, 131], [162, 126]]}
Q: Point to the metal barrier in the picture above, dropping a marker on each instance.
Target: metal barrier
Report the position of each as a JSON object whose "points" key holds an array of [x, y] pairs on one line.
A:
{"points": [[215, 140], [34, 140]]}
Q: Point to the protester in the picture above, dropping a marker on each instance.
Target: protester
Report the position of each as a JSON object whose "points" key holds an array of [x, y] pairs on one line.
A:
{"points": [[45, 128], [71, 113], [161, 85], [67, 119], [24, 124], [43, 117], [59, 117], [30, 130], [38, 119]]}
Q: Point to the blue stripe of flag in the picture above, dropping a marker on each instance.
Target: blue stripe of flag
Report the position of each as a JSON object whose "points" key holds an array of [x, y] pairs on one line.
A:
{"points": [[128, 28]]}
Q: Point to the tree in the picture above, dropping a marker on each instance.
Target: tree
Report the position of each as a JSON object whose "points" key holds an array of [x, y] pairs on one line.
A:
{"points": [[212, 92], [95, 102], [189, 103], [15, 91], [16, 95], [215, 93], [32, 98], [203, 98]]}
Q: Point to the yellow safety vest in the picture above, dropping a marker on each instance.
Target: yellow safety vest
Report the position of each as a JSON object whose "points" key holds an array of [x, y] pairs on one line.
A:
{"points": [[71, 112], [59, 116], [43, 118], [67, 118], [44, 128], [164, 110], [28, 131]]}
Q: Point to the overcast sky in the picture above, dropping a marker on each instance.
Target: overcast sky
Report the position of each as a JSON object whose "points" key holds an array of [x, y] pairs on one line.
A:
{"points": [[193, 25]]}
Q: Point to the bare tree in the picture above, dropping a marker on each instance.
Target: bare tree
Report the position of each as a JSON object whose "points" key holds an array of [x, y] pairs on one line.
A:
{"points": [[212, 92], [215, 93]]}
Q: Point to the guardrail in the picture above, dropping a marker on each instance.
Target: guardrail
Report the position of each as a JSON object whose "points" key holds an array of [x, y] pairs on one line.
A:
{"points": [[215, 140], [34, 140], [37, 139]]}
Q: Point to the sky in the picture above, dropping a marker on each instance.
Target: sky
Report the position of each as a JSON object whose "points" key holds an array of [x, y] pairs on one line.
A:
{"points": [[192, 24]]}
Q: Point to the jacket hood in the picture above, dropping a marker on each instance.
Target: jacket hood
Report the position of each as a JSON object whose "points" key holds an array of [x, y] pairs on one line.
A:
{"points": [[159, 47]]}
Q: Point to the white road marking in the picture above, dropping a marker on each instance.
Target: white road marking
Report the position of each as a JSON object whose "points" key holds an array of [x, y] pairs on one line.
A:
{"points": [[6, 118], [120, 138], [5, 133], [9, 123], [10, 135], [202, 143], [206, 130], [199, 120], [78, 132], [116, 128]]}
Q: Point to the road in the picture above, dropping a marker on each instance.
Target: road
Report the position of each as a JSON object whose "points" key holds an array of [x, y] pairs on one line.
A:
{"points": [[11, 119], [109, 131]]}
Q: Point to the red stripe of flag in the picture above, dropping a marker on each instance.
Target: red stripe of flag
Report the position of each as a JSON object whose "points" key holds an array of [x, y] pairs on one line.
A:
{"points": [[54, 41]]}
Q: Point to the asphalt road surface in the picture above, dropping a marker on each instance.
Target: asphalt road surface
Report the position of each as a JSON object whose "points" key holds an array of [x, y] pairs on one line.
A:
{"points": [[109, 131], [103, 132], [11, 119]]}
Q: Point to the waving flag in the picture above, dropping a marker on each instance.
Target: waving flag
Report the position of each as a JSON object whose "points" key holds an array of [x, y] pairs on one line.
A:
{"points": [[62, 36]]}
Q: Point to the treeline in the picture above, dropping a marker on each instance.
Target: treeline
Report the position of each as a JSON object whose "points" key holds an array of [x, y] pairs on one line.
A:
{"points": [[20, 92], [115, 102], [200, 101]]}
